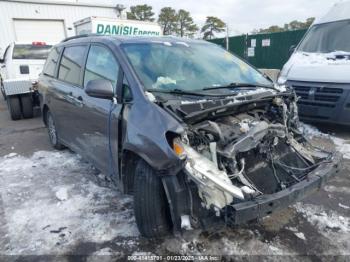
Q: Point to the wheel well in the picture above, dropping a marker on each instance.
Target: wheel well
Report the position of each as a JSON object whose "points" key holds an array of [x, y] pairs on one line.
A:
{"points": [[128, 168], [45, 110]]}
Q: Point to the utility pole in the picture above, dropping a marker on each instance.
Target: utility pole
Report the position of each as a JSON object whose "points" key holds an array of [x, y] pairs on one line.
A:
{"points": [[227, 38]]}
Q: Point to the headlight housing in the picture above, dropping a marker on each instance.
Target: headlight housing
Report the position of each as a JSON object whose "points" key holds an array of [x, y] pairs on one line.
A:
{"points": [[178, 148]]}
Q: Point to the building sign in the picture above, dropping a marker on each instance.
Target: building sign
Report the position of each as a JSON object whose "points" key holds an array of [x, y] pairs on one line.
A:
{"points": [[253, 42], [110, 26], [266, 42], [251, 51], [126, 29]]}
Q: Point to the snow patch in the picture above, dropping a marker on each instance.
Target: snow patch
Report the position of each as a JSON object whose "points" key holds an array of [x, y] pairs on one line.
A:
{"points": [[324, 220], [293, 229], [225, 242], [37, 224], [185, 222], [343, 206], [10, 155], [317, 59], [235, 97], [330, 224], [300, 235], [341, 145], [150, 96], [337, 189], [310, 131], [62, 194]]}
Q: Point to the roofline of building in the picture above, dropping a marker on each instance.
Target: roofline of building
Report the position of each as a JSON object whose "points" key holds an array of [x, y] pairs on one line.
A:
{"points": [[59, 3]]}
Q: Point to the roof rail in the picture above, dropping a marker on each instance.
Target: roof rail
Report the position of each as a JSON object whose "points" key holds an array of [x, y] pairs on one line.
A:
{"points": [[78, 36]]}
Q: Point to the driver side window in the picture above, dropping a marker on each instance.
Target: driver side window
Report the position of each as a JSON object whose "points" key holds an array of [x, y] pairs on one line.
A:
{"points": [[101, 64]]}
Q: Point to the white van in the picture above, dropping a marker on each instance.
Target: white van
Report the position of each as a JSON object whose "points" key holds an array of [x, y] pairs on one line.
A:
{"points": [[319, 68]]}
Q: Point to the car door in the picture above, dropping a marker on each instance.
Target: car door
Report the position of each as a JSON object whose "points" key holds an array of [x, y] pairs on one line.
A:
{"points": [[92, 134], [67, 89]]}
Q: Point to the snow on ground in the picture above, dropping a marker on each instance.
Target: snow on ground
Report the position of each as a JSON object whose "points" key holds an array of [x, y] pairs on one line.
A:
{"points": [[341, 145], [51, 204], [330, 224], [228, 242]]}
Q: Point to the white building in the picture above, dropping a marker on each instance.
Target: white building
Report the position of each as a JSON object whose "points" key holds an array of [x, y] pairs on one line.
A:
{"points": [[48, 21]]}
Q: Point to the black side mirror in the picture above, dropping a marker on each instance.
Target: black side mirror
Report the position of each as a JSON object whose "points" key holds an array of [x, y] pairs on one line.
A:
{"points": [[292, 49], [100, 88]]}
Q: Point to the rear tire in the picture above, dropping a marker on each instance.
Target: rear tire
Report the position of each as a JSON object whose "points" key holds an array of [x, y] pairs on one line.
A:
{"points": [[150, 202], [27, 106], [53, 132], [14, 107]]}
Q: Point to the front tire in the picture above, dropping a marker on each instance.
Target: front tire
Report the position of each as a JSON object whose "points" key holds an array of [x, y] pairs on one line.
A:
{"points": [[14, 107], [27, 106], [150, 203], [53, 132]]}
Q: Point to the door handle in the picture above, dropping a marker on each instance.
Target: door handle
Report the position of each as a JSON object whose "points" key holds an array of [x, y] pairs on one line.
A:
{"points": [[79, 101]]}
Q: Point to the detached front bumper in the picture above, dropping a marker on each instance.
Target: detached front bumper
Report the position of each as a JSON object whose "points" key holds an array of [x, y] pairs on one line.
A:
{"points": [[267, 204]]}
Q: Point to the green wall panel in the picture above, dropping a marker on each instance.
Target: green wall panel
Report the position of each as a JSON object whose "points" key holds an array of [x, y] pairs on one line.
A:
{"points": [[273, 56]]}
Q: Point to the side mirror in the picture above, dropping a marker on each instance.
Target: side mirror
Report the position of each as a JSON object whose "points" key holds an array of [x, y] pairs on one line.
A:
{"points": [[100, 88], [292, 49]]}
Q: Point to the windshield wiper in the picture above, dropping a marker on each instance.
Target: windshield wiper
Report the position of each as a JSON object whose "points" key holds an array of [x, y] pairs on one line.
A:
{"points": [[182, 92], [237, 85]]}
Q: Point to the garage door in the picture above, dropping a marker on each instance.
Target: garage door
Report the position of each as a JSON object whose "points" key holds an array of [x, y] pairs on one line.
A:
{"points": [[50, 31]]}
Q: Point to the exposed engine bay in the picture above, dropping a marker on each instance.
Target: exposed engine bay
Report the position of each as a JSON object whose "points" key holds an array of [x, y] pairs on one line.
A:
{"points": [[238, 155]]}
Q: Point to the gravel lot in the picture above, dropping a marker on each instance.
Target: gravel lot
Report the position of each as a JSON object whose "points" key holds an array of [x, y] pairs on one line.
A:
{"points": [[55, 204]]}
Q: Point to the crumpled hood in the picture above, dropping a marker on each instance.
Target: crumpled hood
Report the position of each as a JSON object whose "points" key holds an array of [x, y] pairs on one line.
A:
{"points": [[195, 109], [316, 67]]}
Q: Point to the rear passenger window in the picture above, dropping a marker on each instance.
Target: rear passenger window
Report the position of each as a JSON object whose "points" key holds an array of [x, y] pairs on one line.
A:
{"points": [[71, 64], [101, 64], [51, 62]]}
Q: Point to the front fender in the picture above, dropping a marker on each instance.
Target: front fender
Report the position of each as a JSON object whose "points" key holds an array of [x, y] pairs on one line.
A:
{"points": [[146, 126]]}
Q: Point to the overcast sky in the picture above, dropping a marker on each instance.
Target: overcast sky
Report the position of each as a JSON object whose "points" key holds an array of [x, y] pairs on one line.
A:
{"points": [[242, 16]]}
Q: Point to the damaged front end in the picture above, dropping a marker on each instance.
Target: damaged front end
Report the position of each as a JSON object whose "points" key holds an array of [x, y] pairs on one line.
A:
{"points": [[246, 158]]}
